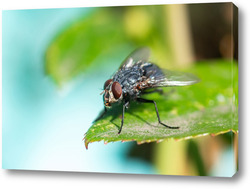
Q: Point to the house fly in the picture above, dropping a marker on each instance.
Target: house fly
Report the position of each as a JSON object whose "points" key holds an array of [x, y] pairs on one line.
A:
{"points": [[136, 75]]}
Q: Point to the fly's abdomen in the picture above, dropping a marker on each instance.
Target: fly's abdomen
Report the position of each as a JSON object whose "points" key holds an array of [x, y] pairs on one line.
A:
{"points": [[152, 71]]}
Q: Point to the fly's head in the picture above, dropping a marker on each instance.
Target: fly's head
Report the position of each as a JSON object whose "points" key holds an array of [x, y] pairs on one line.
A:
{"points": [[112, 92]]}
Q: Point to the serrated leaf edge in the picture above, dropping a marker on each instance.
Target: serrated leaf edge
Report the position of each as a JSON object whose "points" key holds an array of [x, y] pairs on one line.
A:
{"points": [[86, 142]]}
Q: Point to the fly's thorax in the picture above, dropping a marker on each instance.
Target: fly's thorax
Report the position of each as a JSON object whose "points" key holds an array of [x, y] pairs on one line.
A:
{"points": [[129, 79]]}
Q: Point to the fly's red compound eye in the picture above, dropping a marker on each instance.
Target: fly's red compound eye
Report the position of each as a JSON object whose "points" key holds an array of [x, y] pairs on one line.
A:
{"points": [[107, 83], [116, 90]]}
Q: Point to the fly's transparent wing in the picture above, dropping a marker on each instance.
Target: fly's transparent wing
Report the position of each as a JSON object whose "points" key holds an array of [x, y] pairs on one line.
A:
{"points": [[157, 77], [141, 54], [175, 78]]}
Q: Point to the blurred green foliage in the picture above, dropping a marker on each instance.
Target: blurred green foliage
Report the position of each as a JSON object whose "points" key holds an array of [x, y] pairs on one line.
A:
{"points": [[102, 34], [75, 48]]}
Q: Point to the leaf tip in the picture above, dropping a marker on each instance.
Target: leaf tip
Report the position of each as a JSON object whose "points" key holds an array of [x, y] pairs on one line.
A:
{"points": [[86, 142]]}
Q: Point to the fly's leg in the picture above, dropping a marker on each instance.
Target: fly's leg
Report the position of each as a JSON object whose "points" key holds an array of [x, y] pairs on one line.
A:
{"points": [[124, 106], [156, 109]]}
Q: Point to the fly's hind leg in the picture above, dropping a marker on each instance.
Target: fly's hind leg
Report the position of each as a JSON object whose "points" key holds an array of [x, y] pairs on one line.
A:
{"points": [[156, 109]]}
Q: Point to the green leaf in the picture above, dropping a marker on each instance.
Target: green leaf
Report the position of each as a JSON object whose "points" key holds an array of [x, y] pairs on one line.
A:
{"points": [[76, 48], [209, 107]]}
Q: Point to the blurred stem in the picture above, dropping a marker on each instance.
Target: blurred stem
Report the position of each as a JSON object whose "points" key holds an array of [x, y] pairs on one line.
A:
{"points": [[196, 158], [179, 34], [170, 158]]}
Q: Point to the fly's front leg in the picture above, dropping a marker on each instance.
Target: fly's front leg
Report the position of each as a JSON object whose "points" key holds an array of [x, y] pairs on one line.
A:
{"points": [[124, 106], [156, 109]]}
